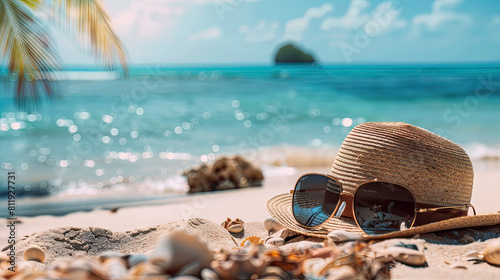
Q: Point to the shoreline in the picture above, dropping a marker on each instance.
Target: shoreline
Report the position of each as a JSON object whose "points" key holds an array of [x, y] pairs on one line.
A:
{"points": [[248, 204]]}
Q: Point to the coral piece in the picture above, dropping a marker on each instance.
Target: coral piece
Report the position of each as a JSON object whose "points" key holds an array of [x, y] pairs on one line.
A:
{"points": [[252, 239], [225, 173]]}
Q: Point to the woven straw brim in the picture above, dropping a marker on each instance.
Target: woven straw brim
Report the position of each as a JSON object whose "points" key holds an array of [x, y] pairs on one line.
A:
{"points": [[280, 208]]}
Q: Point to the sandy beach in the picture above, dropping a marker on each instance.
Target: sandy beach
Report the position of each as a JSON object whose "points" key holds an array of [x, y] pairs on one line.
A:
{"points": [[445, 251]]}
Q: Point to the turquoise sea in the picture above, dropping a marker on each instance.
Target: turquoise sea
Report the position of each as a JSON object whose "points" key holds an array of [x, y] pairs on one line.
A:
{"points": [[103, 136]]}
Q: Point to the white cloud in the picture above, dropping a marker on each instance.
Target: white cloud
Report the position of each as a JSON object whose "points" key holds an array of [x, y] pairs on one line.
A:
{"points": [[264, 31], [296, 27], [140, 15], [352, 19], [442, 12], [385, 16], [210, 33]]}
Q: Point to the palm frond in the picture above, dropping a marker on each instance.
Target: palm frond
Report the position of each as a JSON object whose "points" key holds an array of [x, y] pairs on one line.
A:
{"points": [[26, 44], [93, 25]]}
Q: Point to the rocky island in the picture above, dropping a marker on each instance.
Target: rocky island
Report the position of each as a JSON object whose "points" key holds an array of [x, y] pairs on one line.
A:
{"points": [[290, 53]]}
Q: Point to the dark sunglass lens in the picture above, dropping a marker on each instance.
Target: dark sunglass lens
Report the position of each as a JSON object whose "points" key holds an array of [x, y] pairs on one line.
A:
{"points": [[314, 199], [382, 208]]}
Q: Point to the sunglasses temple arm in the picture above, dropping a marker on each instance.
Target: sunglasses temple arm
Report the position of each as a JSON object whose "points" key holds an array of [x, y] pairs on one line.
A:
{"points": [[422, 210], [293, 191]]}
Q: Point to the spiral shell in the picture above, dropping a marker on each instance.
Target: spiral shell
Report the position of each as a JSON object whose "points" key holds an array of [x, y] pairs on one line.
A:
{"points": [[252, 239], [34, 253], [492, 252]]}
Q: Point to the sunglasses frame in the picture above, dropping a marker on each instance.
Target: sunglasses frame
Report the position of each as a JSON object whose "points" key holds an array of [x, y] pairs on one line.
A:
{"points": [[343, 193]]}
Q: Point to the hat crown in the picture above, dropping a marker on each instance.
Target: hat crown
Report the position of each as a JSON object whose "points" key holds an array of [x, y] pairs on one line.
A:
{"points": [[436, 170]]}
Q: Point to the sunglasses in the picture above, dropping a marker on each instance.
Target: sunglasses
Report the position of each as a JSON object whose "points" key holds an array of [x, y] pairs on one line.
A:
{"points": [[376, 207]]}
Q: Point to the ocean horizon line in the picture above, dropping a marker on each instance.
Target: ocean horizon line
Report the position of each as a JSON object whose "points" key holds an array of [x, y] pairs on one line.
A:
{"points": [[139, 66]]}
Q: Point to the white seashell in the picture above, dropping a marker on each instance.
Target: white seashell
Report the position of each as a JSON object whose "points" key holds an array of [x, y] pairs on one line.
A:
{"points": [[272, 225], [208, 274], [179, 250], [300, 246], [116, 267], [345, 272], [492, 252], [474, 256], [135, 259], [406, 256], [276, 241], [342, 236], [34, 253], [401, 251], [311, 267]]}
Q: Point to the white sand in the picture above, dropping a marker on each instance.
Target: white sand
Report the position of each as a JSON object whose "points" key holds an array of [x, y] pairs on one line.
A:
{"points": [[249, 205]]}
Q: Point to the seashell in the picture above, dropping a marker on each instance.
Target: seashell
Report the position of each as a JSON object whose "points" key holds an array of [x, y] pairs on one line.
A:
{"points": [[184, 277], [403, 251], [301, 246], [311, 267], [144, 269], [34, 253], [324, 252], [345, 272], [239, 266], [337, 261], [208, 274], [272, 226], [133, 260], [84, 268], [474, 256], [492, 252], [116, 267], [276, 241], [252, 239], [406, 256], [342, 236], [179, 250], [110, 254], [235, 226], [4, 259]]}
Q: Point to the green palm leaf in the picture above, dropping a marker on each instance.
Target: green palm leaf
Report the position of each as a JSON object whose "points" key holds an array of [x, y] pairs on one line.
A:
{"points": [[92, 23], [26, 44]]}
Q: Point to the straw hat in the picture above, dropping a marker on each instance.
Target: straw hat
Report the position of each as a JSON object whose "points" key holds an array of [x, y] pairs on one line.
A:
{"points": [[436, 170]]}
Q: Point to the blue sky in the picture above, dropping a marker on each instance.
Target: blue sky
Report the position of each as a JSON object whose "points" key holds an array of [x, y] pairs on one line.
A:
{"points": [[345, 31]]}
